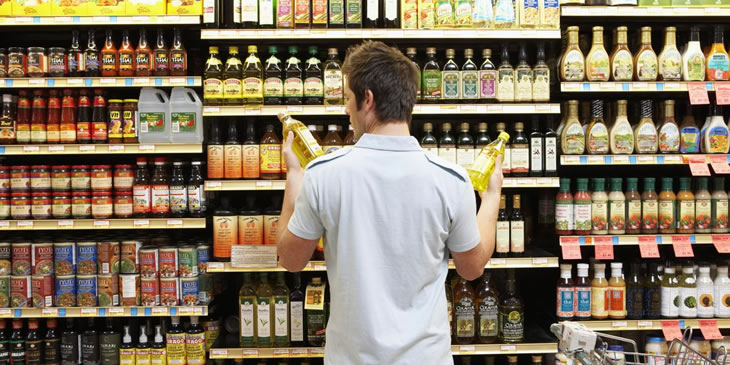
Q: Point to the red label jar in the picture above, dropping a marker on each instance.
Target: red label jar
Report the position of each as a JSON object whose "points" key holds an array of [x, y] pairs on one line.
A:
{"points": [[123, 177], [81, 204], [101, 178], [123, 204], [61, 178], [20, 178], [61, 204], [102, 205], [40, 178], [80, 177], [4, 179], [4, 205], [41, 205], [20, 205]]}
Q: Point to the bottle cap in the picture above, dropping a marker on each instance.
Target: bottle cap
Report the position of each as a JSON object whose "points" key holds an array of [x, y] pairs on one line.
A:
{"points": [[252, 49], [446, 127], [486, 53], [450, 53]]}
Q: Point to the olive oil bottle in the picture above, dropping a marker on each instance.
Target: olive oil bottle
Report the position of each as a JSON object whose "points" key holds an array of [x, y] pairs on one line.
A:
{"points": [[411, 53], [485, 162], [431, 77], [469, 78], [305, 146], [253, 91], [506, 79], [213, 79], [293, 84], [450, 78], [313, 84], [273, 79], [232, 85], [333, 81]]}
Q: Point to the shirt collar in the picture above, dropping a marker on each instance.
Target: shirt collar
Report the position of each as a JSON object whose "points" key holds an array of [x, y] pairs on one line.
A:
{"points": [[388, 143]]}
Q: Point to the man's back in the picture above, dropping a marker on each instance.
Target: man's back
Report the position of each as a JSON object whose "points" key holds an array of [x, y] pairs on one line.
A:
{"points": [[388, 211]]}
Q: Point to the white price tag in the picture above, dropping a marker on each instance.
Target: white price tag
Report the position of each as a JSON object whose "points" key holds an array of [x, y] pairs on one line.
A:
{"points": [[571, 86], [210, 109], [595, 160], [49, 312], [174, 222], [101, 224], [4, 224], [141, 80], [88, 312], [299, 352], [31, 148], [526, 182], [539, 260], [24, 225], [115, 311], [333, 109], [671, 85], [507, 348], [62, 19], [571, 160], [66, 223], [494, 108], [497, 262], [177, 80], [615, 324], [215, 266], [5, 312], [36, 81], [317, 352], [74, 81], [87, 148], [56, 148], [468, 108], [281, 352], [107, 81], [467, 349], [146, 147], [140, 19], [218, 353], [160, 311], [116, 148], [646, 159], [545, 182], [250, 353], [608, 85], [264, 185], [320, 267], [213, 185], [672, 159], [294, 108], [620, 160], [141, 223], [640, 85], [644, 324]]}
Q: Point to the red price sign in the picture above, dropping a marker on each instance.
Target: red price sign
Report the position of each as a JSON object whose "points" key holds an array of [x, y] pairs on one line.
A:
{"points": [[648, 247], [709, 329], [682, 246], [719, 164], [698, 93], [571, 251], [722, 93], [721, 242], [698, 166], [671, 330], [604, 248]]}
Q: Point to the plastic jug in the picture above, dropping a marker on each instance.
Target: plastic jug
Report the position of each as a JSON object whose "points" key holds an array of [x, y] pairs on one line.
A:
{"points": [[154, 117], [186, 116]]}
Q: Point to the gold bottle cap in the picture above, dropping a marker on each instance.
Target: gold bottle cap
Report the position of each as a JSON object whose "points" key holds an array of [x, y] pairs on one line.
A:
{"points": [[537, 358], [621, 102], [598, 28], [482, 127], [446, 127], [646, 29], [468, 53], [519, 126], [465, 126], [573, 28], [427, 127], [669, 102], [572, 102], [430, 50], [213, 49], [500, 126], [411, 50], [332, 127], [233, 49], [332, 51], [486, 53], [252, 49], [450, 53]]}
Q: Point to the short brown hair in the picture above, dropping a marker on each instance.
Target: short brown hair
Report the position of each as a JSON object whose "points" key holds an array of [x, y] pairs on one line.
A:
{"points": [[388, 74]]}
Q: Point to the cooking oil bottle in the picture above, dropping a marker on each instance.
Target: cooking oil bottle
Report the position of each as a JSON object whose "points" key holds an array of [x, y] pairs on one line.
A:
{"points": [[305, 146], [483, 166]]}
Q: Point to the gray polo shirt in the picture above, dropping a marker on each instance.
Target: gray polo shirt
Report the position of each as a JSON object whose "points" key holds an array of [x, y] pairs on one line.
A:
{"points": [[388, 213]]}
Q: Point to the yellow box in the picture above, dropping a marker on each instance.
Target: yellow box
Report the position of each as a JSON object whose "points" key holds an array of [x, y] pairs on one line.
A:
{"points": [[70, 7], [31, 7], [6, 7], [146, 7], [184, 7], [107, 7]]}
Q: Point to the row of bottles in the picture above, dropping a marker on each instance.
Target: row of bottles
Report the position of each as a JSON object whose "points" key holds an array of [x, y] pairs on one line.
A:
{"points": [[645, 292], [459, 360], [631, 212]]}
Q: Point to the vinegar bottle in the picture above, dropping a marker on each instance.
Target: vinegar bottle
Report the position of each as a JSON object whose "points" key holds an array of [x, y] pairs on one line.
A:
{"points": [[485, 162], [216, 156]]}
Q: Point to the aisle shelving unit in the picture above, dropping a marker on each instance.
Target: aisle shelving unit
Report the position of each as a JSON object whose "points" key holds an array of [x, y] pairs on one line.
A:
{"points": [[112, 223], [634, 86], [666, 159], [419, 109], [101, 149], [126, 311], [643, 11], [649, 324], [361, 33], [100, 20], [633, 240], [73, 82]]}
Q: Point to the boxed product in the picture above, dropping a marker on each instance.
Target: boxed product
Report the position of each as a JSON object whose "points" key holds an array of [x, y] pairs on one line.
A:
{"points": [[107, 7], [70, 7], [184, 7], [6, 7], [31, 7], [146, 7]]}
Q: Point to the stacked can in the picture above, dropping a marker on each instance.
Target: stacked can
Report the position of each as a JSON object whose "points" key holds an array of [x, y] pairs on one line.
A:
{"points": [[170, 275]]}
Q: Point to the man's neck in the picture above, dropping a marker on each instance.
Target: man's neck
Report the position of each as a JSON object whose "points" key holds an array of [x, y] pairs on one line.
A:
{"points": [[391, 128]]}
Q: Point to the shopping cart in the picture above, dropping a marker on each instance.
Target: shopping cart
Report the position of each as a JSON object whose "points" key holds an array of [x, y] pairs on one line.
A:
{"points": [[580, 344]]}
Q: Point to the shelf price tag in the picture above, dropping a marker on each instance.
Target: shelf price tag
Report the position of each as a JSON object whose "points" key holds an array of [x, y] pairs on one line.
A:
{"points": [[570, 248], [65, 223], [31, 148], [469, 349], [264, 185], [616, 324], [648, 247], [24, 225], [218, 353], [698, 166], [4, 225], [507, 348], [698, 93], [87, 148], [101, 224], [709, 329], [213, 185], [539, 261], [215, 267], [644, 324], [159, 311], [497, 262], [116, 148], [719, 163], [250, 353], [682, 246], [56, 148], [141, 223], [299, 352], [49, 312], [320, 267], [174, 222], [281, 352], [722, 93], [88, 312], [721, 242], [115, 311], [671, 330], [604, 247], [318, 352]]}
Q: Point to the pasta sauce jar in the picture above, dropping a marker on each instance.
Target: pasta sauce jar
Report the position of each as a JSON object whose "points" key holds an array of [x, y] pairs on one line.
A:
{"points": [[102, 205], [101, 178]]}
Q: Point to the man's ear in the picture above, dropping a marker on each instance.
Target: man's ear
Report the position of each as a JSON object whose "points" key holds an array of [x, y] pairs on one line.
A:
{"points": [[369, 100]]}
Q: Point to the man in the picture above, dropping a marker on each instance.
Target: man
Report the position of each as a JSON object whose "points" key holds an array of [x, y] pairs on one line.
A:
{"points": [[390, 214]]}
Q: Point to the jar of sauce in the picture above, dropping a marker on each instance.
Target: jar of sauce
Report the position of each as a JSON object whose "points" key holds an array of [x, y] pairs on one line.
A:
{"points": [[3, 63], [81, 204], [4, 205], [57, 62], [20, 205], [123, 177], [102, 205], [41, 205], [61, 205], [16, 62], [129, 120], [4, 179], [115, 121], [37, 65], [61, 178], [20, 178], [123, 204], [40, 178], [101, 178], [80, 177]]}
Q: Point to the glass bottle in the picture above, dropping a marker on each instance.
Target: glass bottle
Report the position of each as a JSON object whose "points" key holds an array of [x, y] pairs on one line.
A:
{"points": [[635, 293], [69, 343], [487, 307], [689, 133], [687, 293], [161, 56], [685, 219], [431, 77], [511, 313], [565, 294], [296, 310], [652, 303], [109, 57], [645, 60], [537, 150], [506, 79], [51, 343], [90, 344], [573, 135], [213, 79], [670, 60], [281, 311], [719, 206], [464, 312], [516, 228], [305, 146], [178, 191], [597, 61], [126, 56], [75, 56], [469, 78], [670, 294], [313, 79], [616, 208], [597, 141], [520, 152], [487, 78], [333, 80], [564, 209], [273, 79], [505, 14], [264, 312], [523, 78], [429, 143], [722, 290], [622, 61], [141, 190], [253, 91], [354, 13], [144, 56], [293, 82], [551, 149], [450, 79], [705, 293], [572, 63], [250, 153], [196, 194], [110, 342], [501, 243], [33, 344], [91, 56], [717, 58], [247, 307], [649, 207], [142, 352], [178, 55], [582, 293], [232, 78], [270, 152], [541, 77], [599, 207], [17, 343], [411, 54], [600, 299], [622, 135], [645, 133], [465, 147], [160, 190], [669, 131], [7, 121], [447, 144], [693, 60], [582, 207]]}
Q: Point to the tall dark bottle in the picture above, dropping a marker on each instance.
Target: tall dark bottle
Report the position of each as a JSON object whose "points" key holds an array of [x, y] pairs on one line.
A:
{"points": [[373, 14], [293, 82], [33, 344], [551, 149], [17, 343], [75, 56], [91, 56], [537, 150], [161, 56], [273, 79], [391, 14], [51, 344], [69, 344], [178, 55], [90, 344], [4, 343], [296, 311], [109, 342]]}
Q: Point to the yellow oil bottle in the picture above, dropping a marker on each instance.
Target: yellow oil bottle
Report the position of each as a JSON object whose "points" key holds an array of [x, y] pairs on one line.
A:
{"points": [[305, 146], [483, 166]]}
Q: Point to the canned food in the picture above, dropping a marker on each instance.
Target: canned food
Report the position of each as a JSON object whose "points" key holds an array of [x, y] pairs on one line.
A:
{"points": [[150, 291], [64, 257], [188, 261], [20, 291], [108, 290], [148, 262], [189, 291], [168, 262], [86, 290], [87, 258], [203, 257], [21, 258], [205, 288], [66, 290], [130, 251], [5, 258], [109, 253], [129, 287], [42, 258], [4, 291], [42, 291], [169, 291]]}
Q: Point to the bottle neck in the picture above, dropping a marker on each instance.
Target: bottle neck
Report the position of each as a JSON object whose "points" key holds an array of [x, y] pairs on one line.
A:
{"points": [[573, 110], [669, 111], [598, 37], [671, 38], [646, 38], [621, 110], [573, 38], [622, 38], [719, 37]]}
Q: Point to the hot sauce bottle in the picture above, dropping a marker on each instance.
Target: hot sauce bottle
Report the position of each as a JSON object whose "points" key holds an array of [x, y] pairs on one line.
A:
{"points": [[109, 57], [143, 59], [22, 126], [75, 56], [162, 56], [178, 56], [53, 134], [126, 56], [83, 124], [91, 56], [99, 129], [38, 117], [67, 133]]}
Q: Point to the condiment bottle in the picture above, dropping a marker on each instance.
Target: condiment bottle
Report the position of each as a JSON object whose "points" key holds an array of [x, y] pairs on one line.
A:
{"points": [[667, 207], [487, 302], [566, 294], [693, 60], [523, 78], [501, 242], [178, 191], [688, 293], [703, 207], [332, 141], [551, 148], [572, 63], [196, 193], [669, 131], [273, 79], [649, 207], [599, 292], [507, 155], [175, 338], [622, 135], [305, 146], [689, 134], [464, 312], [126, 56], [635, 293], [141, 190], [33, 344], [645, 59], [564, 221], [616, 208], [465, 152], [270, 152], [622, 61], [645, 133], [617, 292], [505, 79], [597, 61], [670, 60], [599, 207], [516, 228], [232, 78], [51, 343], [144, 56], [99, 130], [447, 144], [91, 56], [705, 293], [716, 135], [719, 206], [652, 293], [216, 153], [541, 77], [39, 117], [573, 136], [253, 76], [582, 293], [195, 343], [582, 207], [313, 79], [293, 81], [178, 55], [431, 76], [520, 152], [53, 129], [450, 81], [158, 350], [233, 157], [722, 290], [22, 124], [597, 133], [109, 57], [213, 89], [160, 190], [333, 81], [633, 206], [487, 77], [686, 207], [75, 56], [670, 291], [161, 56], [511, 313], [717, 59], [126, 348]]}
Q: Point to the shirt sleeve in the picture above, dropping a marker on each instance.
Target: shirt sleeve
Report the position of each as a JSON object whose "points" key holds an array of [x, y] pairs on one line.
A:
{"points": [[305, 222], [464, 231]]}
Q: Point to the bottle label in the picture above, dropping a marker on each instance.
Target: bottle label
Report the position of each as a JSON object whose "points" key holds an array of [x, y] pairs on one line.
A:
{"points": [[281, 319], [695, 70], [574, 139], [266, 12], [427, 14], [646, 66], [213, 88], [160, 199], [617, 306], [194, 198], [705, 300], [463, 13], [598, 66], [195, 348], [566, 302], [506, 161], [448, 154], [126, 61], [564, 215], [582, 215], [313, 87], [175, 348], [650, 211], [451, 84], [270, 158], [517, 236], [409, 14], [646, 138], [141, 199], [520, 159], [488, 317], [142, 356], [178, 199], [302, 12], [263, 324], [232, 88], [670, 301], [293, 87], [127, 357], [297, 321], [574, 66], [599, 214], [465, 156], [51, 354], [717, 66], [252, 88], [143, 61], [633, 220], [354, 12], [718, 137], [183, 122], [333, 84], [273, 87], [319, 11], [151, 122], [158, 356], [284, 14], [464, 311], [688, 300], [247, 307], [444, 13], [506, 85], [115, 124], [599, 302], [583, 302], [524, 85], [251, 163], [720, 213], [162, 61], [703, 213], [598, 139], [431, 84], [541, 85], [669, 138], [337, 12], [109, 62], [249, 11], [670, 65], [622, 67], [686, 214], [689, 140], [623, 138], [487, 84], [512, 325], [502, 240], [666, 214], [551, 153]]}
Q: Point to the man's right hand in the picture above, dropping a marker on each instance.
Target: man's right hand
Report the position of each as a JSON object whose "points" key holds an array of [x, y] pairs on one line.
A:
{"points": [[495, 182]]}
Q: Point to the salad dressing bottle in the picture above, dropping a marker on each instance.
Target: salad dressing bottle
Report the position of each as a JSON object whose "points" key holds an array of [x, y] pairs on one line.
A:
{"points": [[693, 60], [670, 60], [645, 133], [645, 59], [597, 61], [669, 131], [716, 135], [622, 61], [597, 133], [599, 290], [689, 134], [572, 137], [572, 63], [622, 135]]}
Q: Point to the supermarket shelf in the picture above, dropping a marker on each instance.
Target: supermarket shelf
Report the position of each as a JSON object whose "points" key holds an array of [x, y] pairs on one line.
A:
{"points": [[357, 34], [634, 86], [101, 81], [640, 11], [98, 20], [245, 185], [646, 324], [494, 263], [429, 109], [493, 349], [64, 312], [633, 240], [667, 159], [100, 149], [65, 224]]}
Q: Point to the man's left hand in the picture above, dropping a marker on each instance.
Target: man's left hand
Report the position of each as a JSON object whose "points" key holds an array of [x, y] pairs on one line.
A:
{"points": [[293, 169]]}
